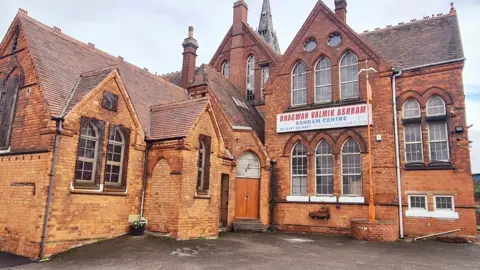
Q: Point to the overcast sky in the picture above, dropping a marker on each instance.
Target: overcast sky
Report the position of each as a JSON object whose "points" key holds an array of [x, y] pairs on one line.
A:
{"points": [[149, 33]]}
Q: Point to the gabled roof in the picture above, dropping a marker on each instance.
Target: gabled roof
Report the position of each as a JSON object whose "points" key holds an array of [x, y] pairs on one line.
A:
{"points": [[422, 42], [224, 92], [61, 60], [175, 120]]}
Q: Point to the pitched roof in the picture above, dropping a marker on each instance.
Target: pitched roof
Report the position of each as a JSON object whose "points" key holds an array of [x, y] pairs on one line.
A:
{"points": [[428, 41], [61, 60], [224, 92], [184, 112]]}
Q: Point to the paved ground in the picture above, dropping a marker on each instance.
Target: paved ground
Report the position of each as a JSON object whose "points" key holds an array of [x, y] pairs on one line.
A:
{"points": [[9, 260], [265, 251]]}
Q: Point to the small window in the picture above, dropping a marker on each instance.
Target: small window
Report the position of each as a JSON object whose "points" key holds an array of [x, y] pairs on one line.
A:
{"points": [[226, 69], [417, 202], [265, 77], [436, 106], [335, 40], [240, 104], [324, 169], [110, 101], [251, 78], [323, 81], [310, 45], [411, 109], [413, 143], [299, 84], [350, 87], [87, 153], [115, 154], [248, 166], [299, 170], [203, 165], [351, 168], [438, 136], [444, 203]]}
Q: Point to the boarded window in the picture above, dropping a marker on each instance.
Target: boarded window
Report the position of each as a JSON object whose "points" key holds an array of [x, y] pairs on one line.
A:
{"points": [[110, 101]]}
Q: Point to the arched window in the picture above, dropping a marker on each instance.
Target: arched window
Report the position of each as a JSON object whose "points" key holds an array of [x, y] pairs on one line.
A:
{"points": [[349, 76], [299, 84], [351, 168], [248, 166], [251, 78], [115, 153], [87, 153], [323, 81], [436, 106], [324, 169], [226, 69], [299, 170], [411, 109]]}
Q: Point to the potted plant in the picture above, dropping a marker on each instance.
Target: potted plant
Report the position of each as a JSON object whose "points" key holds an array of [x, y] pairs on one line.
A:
{"points": [[137, 227]]}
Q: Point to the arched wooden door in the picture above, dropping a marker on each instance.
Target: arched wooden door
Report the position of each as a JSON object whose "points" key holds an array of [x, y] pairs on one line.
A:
{"points": [[247, 186]]}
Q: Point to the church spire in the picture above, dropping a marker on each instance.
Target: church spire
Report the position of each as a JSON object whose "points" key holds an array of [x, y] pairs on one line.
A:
{"points": [[265, 29]]}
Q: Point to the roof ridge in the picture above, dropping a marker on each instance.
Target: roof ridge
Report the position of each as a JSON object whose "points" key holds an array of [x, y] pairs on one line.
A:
{"points": [[160, 107], [77, 42], [411, 22]]}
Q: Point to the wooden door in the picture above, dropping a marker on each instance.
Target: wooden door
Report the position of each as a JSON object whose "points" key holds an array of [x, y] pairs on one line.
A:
{"points": [[224, 201], [246, 198]]}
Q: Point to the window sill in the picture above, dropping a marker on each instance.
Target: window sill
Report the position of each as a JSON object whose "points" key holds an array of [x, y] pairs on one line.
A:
{"points": [[298, 199], [352, 199], [202, 197], [429, 167], [432, 214], [416, 120], [438, 118], [331, 199], [98, 190]]}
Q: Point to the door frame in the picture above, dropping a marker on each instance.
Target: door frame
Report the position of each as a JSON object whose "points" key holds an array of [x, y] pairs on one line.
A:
{"points": [[258, 196]]}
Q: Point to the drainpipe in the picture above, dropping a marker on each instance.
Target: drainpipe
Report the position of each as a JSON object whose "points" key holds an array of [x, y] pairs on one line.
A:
{"points": [[273, 194], [396, 74], [59, 121], [145, 171]]}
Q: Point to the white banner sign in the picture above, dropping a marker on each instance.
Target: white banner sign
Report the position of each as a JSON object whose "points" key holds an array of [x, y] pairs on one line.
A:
{"points": [[328, 118]]}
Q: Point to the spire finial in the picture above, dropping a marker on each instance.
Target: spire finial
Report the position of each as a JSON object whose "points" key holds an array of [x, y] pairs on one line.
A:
{"points": [[452, 8], [190, 31], [265, 28]]}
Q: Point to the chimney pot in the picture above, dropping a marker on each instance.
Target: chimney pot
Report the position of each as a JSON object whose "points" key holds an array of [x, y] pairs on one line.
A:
{"points": [[190, 47], [240, 16], [190, 31], [341, 10]]}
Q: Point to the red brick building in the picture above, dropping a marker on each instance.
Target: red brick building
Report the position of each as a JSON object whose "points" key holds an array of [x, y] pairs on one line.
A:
{"points": [[90, 142]]}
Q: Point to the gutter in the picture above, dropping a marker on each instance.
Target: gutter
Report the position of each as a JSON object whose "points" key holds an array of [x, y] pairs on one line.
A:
{"points": [[59, 121], [396, 74], [273, 185], [144, 184], [435, 64]]}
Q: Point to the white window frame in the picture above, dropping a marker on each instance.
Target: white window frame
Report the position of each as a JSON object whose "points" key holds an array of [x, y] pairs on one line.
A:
{"points": [[250, 78], [340, 75], [320, 175], [298, 175], [417, 209], [95, 157], [116, 163], [240, 166], [300, 89], [443, 104], [405, 143], [323, 85], [342, 174], [443, 210], [226, 69], [447, 141], [419, 109], [265, 71]]}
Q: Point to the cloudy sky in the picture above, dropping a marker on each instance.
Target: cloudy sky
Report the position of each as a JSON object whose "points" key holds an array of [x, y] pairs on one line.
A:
{"points": [[149, 33]]}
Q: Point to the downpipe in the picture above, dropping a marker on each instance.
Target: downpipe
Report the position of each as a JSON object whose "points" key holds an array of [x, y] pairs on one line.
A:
{"points": [[59, 121], [144, 184], [397, 151], [273, 194]]}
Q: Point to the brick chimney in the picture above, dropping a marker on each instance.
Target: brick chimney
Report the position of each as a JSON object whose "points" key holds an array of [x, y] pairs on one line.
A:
{"points": [[341, 9], [190, 47], [240, 14]]}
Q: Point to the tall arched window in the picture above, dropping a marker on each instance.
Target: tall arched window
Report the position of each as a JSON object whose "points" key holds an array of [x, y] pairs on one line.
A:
{"points": [[324, 169], [251, 78], [323, 81], [349, 76], [438, 131], [87, 153], [351, 168], [203, 165], [412, 133], [115, 153], [248, 166], [299, 170], [299, 84], [226, 69]]}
